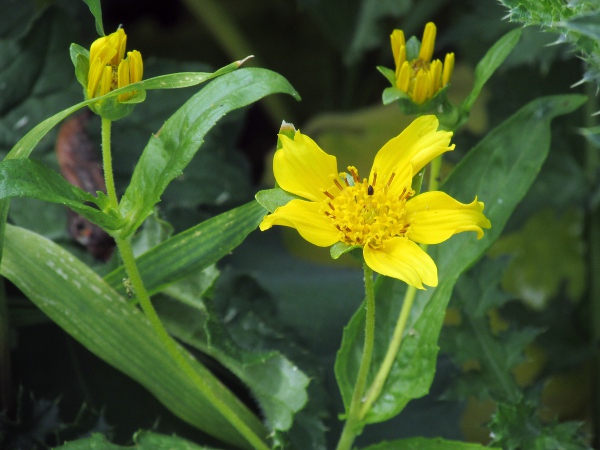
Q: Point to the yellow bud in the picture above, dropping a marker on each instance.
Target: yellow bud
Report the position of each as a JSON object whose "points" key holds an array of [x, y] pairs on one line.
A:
{"points": [[398, 47], [106, 80], [403, 80], [422, 87], [448, 68], [428, 42]]}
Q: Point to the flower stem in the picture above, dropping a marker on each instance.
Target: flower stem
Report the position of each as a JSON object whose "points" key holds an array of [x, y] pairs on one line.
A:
{"points": [[353, 419], [107, 163], [392, 351], [144, 299], [124, 246]]}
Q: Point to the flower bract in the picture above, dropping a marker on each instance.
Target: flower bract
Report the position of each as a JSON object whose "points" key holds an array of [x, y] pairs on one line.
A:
{"points": [[380, 213], [420, 78], [110, 69]]}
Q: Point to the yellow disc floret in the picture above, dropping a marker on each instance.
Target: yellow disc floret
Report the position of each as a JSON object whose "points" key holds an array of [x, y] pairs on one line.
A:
{"points": [[365, 213]]}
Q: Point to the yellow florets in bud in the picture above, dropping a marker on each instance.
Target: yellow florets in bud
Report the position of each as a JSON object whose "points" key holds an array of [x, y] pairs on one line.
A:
{"points": [[110, 69], [420, 78]]}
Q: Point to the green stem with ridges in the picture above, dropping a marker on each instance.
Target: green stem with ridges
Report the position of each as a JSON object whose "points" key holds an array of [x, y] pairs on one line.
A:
{"points": [[392, 352], [135, 278], [144, 300], [353, 419], [111, 192]]}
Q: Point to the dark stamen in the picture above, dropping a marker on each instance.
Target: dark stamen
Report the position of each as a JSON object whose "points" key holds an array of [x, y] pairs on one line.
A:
{"points": [[337, 183], [391, 179], [370, 190], [328, 195], [374, 178]]}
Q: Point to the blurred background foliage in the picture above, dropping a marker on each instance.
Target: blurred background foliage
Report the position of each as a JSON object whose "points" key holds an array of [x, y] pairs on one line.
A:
{"points": [[520, 349]]}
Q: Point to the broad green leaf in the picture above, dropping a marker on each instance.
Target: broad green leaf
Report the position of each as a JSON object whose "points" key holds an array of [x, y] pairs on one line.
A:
{"points": [[171, 150], [143, 440], [194, 249], [498, 170], [547, 257], [421, 443], [28, 178], [489, 63], [96, 10], [25, 146], [234, 328], [476, 293], [87, 308]]}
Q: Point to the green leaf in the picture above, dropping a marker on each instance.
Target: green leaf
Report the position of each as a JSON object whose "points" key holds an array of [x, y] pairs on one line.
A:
{"points": [[421, 443], [169, 152], [488, 65], [339, 248], [143, 440], [548, 256], [499, 170], [271, 199], [192, 250], [26, 144], [87, 308], [588, 25], [28, 178], [234, 328], [476, 293], [80, 57], [96, 11]]}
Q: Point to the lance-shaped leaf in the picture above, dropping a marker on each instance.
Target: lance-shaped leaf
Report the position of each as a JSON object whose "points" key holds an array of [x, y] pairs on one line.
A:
{"points": [[489, 63], [96, 10], [91, 311], [499, 170], [27, 143], [170, 150], [29, 178], [194, 249]]}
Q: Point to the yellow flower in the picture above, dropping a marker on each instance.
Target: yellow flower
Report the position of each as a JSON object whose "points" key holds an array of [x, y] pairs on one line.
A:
{"points": [[420, 78], [110, 69], [381, 213]]}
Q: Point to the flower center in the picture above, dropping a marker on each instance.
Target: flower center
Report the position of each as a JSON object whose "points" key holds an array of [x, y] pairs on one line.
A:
{"points": [[366, 213]]}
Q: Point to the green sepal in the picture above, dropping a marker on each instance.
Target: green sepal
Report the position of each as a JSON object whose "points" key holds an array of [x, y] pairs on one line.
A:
{"points": [[288, 130], [112, 109], [413, 47], [80, 57], [271, 199], [408, 106], [388, 73], [339, 248]]}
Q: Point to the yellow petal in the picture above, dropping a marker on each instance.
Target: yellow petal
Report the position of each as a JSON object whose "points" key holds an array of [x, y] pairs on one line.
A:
{"points": [[408, 152], [448, 68], [94, 75], [403, 259], [121, 45], [422, 89], [302, 168], [428, 42], [398, 48], [313, 225], [403, 78], [123, 79], [435, 216], [435, 73], [136, 66], [106, 80], [99, 49]]}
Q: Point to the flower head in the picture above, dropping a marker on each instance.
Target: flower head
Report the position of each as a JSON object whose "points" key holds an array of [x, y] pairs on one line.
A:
{"points": [[381, 214], [110, 69], [420, 78]]}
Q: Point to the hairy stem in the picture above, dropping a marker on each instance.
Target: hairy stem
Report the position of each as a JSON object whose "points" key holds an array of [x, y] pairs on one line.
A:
{"points": [[353, 419], [107, 164]]}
